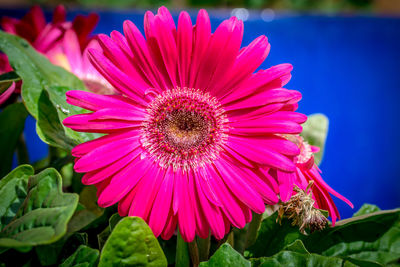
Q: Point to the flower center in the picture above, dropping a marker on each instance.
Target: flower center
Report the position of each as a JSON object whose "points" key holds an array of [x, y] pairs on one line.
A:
{"points": [[185, 128], [305, 149]]}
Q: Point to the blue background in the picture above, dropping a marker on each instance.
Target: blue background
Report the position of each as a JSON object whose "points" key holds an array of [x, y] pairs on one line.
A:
{"points": [[346, 67]]}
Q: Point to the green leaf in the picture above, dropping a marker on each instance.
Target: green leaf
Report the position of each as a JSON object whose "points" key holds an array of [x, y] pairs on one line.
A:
{"points": [[84, 257], [114, 220], [273, 237], [35, 70], [297, 246], [132, 243], [87, 212], [43, 91], [366, 209], [49, 127], [315, 130], [290, 258], [43, 216], [372, 237], [64, 110], [12, 121], [13, 191], [226, 256], [67, 245]]}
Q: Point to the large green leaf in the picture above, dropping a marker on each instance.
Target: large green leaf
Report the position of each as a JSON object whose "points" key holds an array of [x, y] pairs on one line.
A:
{"points": [[13, 191], [132, 243], [373, 238], [12, 120], [226, 256], [315, 130], [83, 257], [43, 216], [43, 91], [294, 259], [35, 70]]}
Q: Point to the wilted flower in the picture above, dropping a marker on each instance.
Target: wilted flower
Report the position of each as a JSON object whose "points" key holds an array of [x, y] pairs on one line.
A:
{"points": [[308, 173], [300, 209], [192, 135]]}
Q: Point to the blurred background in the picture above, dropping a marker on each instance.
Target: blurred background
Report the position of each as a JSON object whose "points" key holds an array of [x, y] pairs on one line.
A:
{"points": [[328, 6], [346, 58]]}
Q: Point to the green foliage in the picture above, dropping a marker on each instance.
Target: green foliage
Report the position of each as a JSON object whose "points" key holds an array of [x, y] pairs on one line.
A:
{"points": [[13, 191], [132, 243], [84, 256], [43, 215], [226, 256], [12, 119], [371, 239], [315, 131], [366, 209], [43, 91]]}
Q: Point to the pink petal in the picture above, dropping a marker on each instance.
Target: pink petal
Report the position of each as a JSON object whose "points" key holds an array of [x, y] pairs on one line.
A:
{"points": [[248, 60], [106, 154], [122, 60], [260, 154], [201, 34], [94, 102], [99, 175], [260, 81], [220, 42], [239, 188], [162, 204], [116, 77], [184, 42], [59, 14], [123, 181]]}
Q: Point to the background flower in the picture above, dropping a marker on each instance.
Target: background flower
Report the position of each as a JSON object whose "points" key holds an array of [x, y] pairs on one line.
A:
{"points": [[62, 42], [307, 171]]}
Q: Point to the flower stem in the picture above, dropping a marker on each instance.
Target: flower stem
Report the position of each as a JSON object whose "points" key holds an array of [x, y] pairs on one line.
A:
{"points": [[182, 253], [194, 253], [204, 247], [252, 231]]}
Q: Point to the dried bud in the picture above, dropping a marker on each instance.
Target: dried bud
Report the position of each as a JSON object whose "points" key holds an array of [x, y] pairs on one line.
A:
{"points": [[300, 209]]}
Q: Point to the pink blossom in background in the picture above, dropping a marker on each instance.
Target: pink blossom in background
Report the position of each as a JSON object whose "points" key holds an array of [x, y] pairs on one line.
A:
{"points": [[306, 171], [191, 138], [63, 42]]}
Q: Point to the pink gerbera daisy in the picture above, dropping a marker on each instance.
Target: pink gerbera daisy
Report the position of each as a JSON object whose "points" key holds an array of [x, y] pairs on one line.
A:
{"points": [[307, 171], [191, 136]]}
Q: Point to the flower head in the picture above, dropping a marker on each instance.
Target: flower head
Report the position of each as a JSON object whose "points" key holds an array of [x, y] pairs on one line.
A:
{"points": [[300, 208], [306, 174], [192, 135]]}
